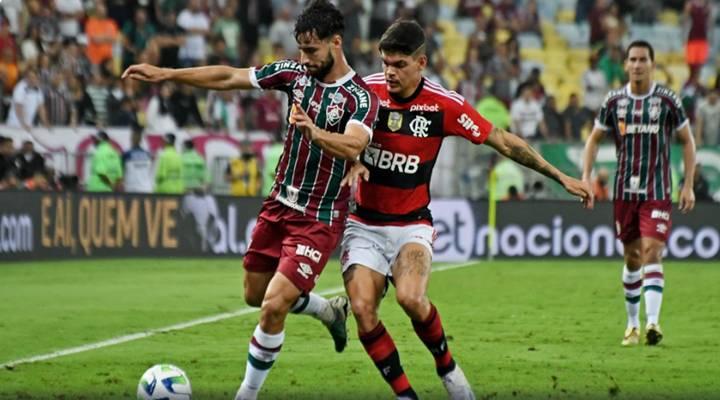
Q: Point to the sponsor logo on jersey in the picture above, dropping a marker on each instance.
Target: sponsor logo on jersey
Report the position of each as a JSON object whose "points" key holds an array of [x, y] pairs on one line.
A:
{"points": [[425, 107], [469, 125], [309, 252], [621, 127], [383, 159], [289, 65], [660, 214], [638, 129], [384, 103], [304, 270], [419, 126], [298, 95], [394, 121], [662, 228], [292, 193], [303, 81]]}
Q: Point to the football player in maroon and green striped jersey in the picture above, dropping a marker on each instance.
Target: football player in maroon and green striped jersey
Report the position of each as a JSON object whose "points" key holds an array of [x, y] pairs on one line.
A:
{"points": [[332, 116], [643, 118]]}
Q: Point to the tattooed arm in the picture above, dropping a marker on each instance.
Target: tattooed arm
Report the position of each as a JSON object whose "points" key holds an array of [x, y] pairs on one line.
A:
{"points": [[520, 151]]}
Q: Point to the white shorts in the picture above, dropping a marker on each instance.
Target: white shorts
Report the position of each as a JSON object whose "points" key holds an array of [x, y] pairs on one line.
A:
{"points": [[376, 247]]}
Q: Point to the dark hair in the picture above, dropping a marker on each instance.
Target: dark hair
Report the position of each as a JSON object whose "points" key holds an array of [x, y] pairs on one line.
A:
{"points": [[102, 135], [188, 144], [322, 18], [641, 43], [170, 138], [404, 37]]}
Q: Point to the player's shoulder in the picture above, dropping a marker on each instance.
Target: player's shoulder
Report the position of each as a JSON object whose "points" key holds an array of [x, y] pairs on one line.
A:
{"points": [[448, 98], [616, 95], [666, 92]]}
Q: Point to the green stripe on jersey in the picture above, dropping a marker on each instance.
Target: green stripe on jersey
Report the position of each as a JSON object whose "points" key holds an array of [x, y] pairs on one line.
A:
{"points": [[294, 148], [332, 191], [659, 179], [644, 154], [312, 168]]}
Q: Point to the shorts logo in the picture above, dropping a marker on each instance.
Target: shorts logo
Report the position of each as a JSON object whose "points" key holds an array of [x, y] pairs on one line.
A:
{"points": [[309, 252], [304, 270], [395, 120], [659, 214], [661, 228]]}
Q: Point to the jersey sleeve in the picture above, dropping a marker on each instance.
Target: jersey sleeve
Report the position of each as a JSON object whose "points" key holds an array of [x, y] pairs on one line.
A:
{"points": [[677, 111], [602, 121], [366, 111], [278, 75], [463, 120]]}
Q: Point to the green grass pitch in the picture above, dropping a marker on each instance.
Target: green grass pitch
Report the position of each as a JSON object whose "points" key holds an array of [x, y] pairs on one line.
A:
{"points": [[520, 330]]}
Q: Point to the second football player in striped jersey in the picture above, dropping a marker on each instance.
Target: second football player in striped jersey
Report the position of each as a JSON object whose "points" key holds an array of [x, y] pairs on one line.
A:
{"points": [[331, 120], [643, 118], [391, 232]]}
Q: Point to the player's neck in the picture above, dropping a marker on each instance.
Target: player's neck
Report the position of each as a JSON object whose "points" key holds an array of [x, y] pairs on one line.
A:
{"points": [[338, 71], [640, 88], [410, 92]]}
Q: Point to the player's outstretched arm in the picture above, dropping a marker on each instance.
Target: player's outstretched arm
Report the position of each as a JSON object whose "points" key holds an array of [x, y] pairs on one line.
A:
{"points": [[215, 77], [589, 156], [687, 195], [356, 172], [347, 146], [520, 151]]}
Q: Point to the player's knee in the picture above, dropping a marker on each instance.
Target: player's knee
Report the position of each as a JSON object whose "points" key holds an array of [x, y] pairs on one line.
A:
{"points": [[273, 311], [653, 255], [252, 299], [363, 309], [634, 259], [411, 301]]}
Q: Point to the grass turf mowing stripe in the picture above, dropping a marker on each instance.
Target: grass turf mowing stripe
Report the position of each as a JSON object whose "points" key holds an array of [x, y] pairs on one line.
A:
{"points": [[176, 327]]}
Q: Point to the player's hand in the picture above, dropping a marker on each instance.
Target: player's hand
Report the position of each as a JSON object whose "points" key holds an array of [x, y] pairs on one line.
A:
{"points": [[687, 199], [580, 189], [589, 203], [303, 122], [146, 73], [357, 171]]}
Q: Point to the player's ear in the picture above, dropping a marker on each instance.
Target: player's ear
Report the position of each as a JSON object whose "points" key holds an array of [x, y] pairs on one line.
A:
{"points": [[337, 41], [422, 61]]}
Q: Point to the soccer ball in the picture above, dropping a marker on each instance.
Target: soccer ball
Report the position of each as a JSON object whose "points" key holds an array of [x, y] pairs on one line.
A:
{"points": [[164, 381]]}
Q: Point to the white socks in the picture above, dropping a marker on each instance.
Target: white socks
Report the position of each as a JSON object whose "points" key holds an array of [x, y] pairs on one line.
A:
{"points": [[312, 304], [264, 349], [632, 286], [653, 284]]}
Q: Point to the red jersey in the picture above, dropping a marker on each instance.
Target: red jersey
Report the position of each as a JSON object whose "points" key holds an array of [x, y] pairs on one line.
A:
{"points": [[405, 145]]}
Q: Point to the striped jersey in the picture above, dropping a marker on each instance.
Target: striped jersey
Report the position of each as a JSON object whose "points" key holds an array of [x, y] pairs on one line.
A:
{"points": [[642, 127], [306, 178], [404, 149]]}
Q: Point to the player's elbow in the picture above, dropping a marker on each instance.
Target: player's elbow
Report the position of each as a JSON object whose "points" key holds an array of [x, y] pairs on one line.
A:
{"points": [[353, 149]]}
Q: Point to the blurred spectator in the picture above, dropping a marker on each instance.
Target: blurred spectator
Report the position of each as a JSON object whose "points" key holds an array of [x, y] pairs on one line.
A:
{"points": [[28, 161], [82, 110], [169, 172], [38, 181], [105, 166], [12, 9], [281, 32], [121, 106], [600, 185], [645, 11], [698, 18], [537, 191], [195, 175], [227, 27], [533, 81], [9, 72], [428, 12], [381, 16], [31, 47], [168, 41], [268, 113], [554, 121], [41, 15], [184, 106], [223, 111], [707, 122], [159, 113], [596, 18], [700, 185], [500, 69], [529, 19], [197, 25], [218, 54], [71, 13], [582, 10], [351, 11], [690, 93], [527, 116], [243, 173], [98, 91], [595, 85], [8, 170], [575, 118], [513, 194], [470, 8], [252, 15], [611, 64], [136, 35], [57, 100], [74, 60], [27, 103], [7, 40], [494, 110], [101, 32], [271, 157], [137, 165]]}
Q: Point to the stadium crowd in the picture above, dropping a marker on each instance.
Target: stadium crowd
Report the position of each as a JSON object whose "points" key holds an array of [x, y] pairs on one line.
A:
{"points": [[60, 62]]}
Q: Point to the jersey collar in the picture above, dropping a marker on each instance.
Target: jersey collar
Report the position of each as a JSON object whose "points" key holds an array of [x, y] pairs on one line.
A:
{"points": [[412, 97], [340, 81], [640, 97]]}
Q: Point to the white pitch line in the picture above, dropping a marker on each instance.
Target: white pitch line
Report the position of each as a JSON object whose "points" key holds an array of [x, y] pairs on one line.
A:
{"points": [[183, 325]]}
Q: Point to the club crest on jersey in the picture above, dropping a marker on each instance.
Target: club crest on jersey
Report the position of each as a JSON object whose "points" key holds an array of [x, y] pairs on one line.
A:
{"points": [[624, 102], [335, 109], [292, 194], [419, 126], [298, 95], [395, 120], [654, 110]]}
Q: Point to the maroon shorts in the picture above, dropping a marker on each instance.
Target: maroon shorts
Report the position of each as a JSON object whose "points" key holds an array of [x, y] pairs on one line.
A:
{"points": [[291, 243], [635, 219]]}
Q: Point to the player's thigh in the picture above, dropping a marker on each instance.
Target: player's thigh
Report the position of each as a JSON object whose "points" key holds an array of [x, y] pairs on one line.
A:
{"points": [[263, 253], [627, 221], [411, 271], [365, 245], [306, 249], [655, 223], [280, 295], [255, 285], [364, 287]]}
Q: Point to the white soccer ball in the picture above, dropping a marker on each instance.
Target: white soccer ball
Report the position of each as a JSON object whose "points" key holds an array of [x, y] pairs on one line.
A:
{"points": [[164, 381]]}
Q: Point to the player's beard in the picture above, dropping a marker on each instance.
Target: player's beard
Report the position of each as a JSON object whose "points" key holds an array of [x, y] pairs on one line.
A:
{"points": [[323, 69]]}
